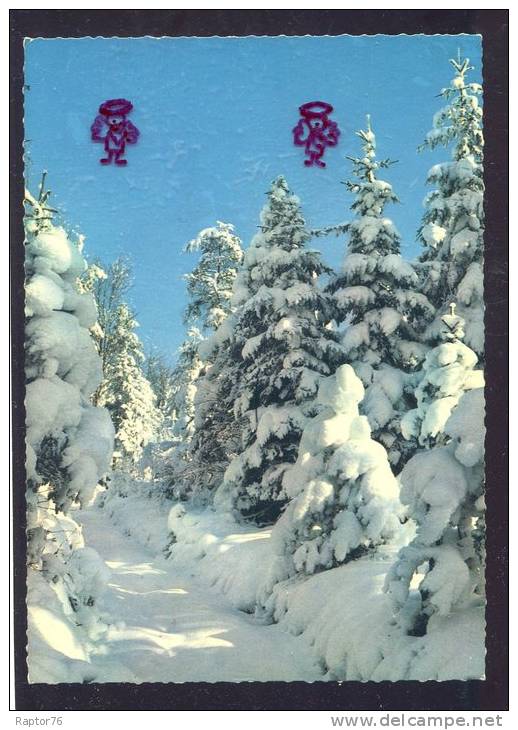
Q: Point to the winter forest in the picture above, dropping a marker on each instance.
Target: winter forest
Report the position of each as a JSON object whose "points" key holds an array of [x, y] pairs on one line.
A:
{"points": [[299, 495]]}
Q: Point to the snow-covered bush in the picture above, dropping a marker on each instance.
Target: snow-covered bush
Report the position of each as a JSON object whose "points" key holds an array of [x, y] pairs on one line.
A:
{"points": [[343, 495], [442, 570], [447, 372], [453, 224], [281, 345], [376, 294]]}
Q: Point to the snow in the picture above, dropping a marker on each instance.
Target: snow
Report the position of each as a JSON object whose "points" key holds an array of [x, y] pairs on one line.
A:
{"points": [[466, 427], [162, 626], [60, 339], [433, 486], [433, 234], [355, 336], [42, 295], [52, 406], [52, 251], [447, 372], [462, 242], [443, 489], [399, 268], [343, 494], [190, 617], [389, 320]]}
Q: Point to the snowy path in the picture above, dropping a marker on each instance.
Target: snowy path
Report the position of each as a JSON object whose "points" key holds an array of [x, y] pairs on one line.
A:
{"points": [[170, 628]]}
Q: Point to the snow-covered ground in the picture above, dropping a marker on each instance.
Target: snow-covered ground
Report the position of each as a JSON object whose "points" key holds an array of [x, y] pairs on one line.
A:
{"points": [[163, 626], [341, 615]]}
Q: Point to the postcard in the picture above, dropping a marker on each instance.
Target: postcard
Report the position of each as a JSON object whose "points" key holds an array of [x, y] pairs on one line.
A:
{"points": [[255, 358]]}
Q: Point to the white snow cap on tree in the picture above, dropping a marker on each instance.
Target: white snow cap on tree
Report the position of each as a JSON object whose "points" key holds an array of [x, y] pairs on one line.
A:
{"points": [[343, 495], [69, 442], [448, 371], [376, 294], [283, 346], [453, 224]]}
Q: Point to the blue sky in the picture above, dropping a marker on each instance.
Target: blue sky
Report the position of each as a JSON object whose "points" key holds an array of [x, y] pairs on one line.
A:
{"points": [[215, 116]]}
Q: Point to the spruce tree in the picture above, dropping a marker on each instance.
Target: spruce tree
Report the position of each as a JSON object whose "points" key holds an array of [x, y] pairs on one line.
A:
{"points": [[453, 224], [376, 296], [442, 487], [282, 346]]}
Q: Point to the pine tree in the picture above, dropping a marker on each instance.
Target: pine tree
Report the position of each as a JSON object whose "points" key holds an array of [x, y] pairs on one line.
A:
{"points": [[209, 285], [443, 489], [453, 224], [126, 393], [343, 495], [69, 442], [282, 347], [376, 296]]}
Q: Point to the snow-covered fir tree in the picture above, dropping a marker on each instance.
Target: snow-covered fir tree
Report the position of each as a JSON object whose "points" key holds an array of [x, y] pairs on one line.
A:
{"points": [[443, 487], [376, 294], [210, 283], [453, 224], [283, 346], [442, 570], [126, 393], [343, 495], [447, 372], [69, 441]]}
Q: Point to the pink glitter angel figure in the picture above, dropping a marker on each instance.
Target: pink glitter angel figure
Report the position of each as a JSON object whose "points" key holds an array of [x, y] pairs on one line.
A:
{"points": [[315, 131], [112, 128]]}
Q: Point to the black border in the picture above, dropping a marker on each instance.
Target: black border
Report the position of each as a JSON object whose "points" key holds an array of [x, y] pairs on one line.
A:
{"points": [[490, 694]]}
